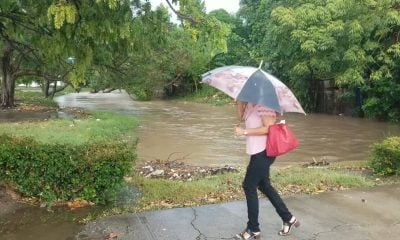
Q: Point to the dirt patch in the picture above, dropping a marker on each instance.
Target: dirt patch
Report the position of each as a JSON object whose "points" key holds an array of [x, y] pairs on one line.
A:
{"points": [[74, 112], [22, 107], [30, 112], [8, 201]]}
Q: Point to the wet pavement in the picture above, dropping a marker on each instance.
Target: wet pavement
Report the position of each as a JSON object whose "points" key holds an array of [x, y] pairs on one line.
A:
{"points": [[357, 214]]}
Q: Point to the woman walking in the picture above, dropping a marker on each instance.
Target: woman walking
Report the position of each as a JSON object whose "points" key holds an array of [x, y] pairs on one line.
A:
{"points": [[257, 120]]}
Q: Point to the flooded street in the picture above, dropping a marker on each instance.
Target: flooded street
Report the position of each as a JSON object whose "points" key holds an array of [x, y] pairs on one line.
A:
{"points": [[197, 134], [200, 134]]}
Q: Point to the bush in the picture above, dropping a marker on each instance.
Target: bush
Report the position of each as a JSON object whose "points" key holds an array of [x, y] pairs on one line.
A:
{"points": [[208, 94], [383, 100], [61, 172], [141, 93], [386, 157]]}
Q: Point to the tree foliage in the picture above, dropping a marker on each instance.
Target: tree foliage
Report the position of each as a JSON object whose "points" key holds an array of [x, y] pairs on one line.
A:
{"points": [[170, 57], [349, 42], [132, 45], [37, 38], [238, 50], [107, 44]]}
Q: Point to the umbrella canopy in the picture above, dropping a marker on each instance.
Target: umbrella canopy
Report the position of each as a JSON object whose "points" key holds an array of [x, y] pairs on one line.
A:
{"points": [[250, 84]]}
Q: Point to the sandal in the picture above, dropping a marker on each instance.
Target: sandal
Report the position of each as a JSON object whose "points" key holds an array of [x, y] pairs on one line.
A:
{"points": [[247, 234], [287, 226]]}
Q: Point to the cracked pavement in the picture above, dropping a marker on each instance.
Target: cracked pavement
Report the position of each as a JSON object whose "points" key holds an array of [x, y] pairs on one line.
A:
{"points": [[358, 214]]}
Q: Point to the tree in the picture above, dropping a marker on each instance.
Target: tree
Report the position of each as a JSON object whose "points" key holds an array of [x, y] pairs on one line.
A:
{"points": [[169, 59], [238, 46], [89, 31], [348, 42], [382, 85]]}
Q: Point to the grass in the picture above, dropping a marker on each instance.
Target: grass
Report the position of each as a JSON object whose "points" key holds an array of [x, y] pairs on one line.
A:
{"points": [[161, 194], [35, 97], [315, 180], [98, 127], [350, 165], [210, 95]]}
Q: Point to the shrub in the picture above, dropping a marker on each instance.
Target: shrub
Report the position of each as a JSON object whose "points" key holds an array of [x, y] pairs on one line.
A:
{"points": [[383, 100], [61, 172], [386, 157], [208, 94], [141, 93]]}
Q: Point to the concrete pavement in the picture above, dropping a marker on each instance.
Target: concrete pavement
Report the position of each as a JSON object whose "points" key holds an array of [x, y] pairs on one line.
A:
{"points": [[358, 214]]}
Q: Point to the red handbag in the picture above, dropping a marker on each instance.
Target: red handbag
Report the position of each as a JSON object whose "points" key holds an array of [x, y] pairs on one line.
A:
{"points": [[280, 140]]}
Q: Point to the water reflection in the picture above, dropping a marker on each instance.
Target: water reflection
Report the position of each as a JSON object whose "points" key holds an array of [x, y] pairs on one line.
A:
{"points": [[200, 134], [32, 223]]}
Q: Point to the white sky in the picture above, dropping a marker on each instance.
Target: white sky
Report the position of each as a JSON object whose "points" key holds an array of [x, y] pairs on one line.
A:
{"points": [[231, 6]]}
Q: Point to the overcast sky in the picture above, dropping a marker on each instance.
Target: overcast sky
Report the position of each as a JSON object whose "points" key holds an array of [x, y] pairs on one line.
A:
{"points": [[230, 6]]}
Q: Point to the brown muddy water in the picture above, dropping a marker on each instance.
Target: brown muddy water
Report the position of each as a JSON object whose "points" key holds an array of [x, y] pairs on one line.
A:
{"points": [[20, 221], [200, 134], [197, 134]]}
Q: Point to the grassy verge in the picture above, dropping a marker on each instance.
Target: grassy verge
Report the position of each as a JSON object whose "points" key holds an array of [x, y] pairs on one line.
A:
{"points": [[161, 194], [97, 127], [210, 95], [33, 96]]}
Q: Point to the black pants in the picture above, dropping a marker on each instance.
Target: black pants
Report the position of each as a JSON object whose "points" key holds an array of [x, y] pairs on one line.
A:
{"points": [[257, 176]]}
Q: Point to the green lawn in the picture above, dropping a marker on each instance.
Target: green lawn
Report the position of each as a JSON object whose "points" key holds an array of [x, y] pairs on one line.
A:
{"points": [[97, 127]]}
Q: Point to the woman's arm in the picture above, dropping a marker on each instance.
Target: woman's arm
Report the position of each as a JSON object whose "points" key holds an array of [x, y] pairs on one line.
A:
{"points": [[267, 121], [240, 107]]}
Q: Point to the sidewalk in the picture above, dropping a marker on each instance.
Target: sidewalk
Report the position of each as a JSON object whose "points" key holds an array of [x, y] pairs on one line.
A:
{"points": [[359, 214]]}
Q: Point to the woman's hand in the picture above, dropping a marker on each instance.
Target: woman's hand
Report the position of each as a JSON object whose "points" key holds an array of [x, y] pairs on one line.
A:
{"points": [[241, 106], [240, 131]]}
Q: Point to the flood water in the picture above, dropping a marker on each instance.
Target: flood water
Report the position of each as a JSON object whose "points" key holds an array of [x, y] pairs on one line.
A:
{"points": [[201, 134], [197, 134], [25, 222]]}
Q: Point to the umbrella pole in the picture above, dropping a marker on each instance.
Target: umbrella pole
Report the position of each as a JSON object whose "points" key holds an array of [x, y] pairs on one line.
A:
{"points": [[259, 67]]}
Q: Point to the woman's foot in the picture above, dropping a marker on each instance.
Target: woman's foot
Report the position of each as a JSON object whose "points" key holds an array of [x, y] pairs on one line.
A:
{"points": [[247, 234], [287, 226]]}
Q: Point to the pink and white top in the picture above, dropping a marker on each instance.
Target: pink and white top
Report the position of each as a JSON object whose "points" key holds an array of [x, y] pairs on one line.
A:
{"points": [[252, 115]]}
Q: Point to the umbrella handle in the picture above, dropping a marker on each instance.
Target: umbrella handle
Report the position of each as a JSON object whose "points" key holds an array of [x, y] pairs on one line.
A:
{"points": [[259, 66]]}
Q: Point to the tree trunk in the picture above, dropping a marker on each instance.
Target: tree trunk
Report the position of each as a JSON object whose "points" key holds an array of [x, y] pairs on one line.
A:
{"points": [[54, 90], [8, 79], [7, 91], [46, 87]]}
